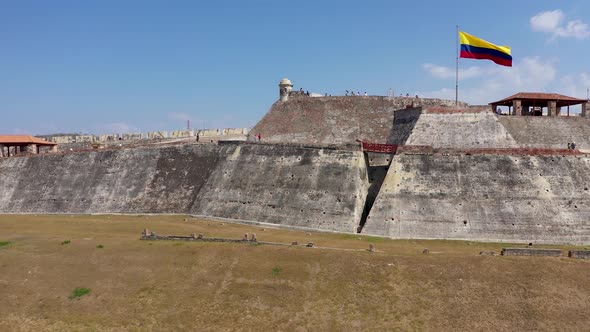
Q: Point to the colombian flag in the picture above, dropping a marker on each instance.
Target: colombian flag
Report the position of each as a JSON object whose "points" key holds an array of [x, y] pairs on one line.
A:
{"points": [[477, 48]]}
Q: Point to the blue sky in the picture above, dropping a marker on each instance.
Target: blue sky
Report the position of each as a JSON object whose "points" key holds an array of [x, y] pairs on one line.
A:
{"points": [[120, 66]]}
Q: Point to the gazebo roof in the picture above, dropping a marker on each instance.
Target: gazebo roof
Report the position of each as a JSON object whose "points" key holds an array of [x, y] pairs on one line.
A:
{"points": [[540, 98], [23, 140]]}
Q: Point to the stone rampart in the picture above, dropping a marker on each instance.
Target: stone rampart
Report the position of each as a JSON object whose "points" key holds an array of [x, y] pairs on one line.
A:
{"points": [[336, 120], [132, 136], [548, 132], [288, 185], [451, 128], [503, 198], [157, 134], [281, 184], [182, 133]]}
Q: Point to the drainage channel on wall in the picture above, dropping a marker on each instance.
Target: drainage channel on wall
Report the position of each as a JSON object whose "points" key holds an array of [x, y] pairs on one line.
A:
{"points": [[377, 167]]}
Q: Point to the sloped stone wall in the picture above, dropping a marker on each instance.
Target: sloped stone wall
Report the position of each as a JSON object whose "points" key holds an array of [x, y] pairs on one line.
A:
{"points": [[336, 120], [318, 188], [539, 199], [548, 132], [299, 186]]}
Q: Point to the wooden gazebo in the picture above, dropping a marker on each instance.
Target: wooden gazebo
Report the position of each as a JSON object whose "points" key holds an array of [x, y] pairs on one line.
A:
{"points": [[532, 103], [22, 143]]}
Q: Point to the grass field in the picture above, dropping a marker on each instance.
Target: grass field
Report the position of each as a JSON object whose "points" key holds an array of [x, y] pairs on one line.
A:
{"points": [[93, 273]]}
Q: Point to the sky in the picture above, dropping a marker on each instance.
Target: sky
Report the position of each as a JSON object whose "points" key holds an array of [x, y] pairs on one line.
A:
{"points": [[128, 66]]}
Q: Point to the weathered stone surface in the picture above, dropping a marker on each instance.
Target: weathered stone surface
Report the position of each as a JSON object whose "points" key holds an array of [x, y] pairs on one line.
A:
{"points": [[579, 254], [316, 188], [305, 187], [540, 199], [461, 129], [548, 132], [531, 252], [336, 120]]}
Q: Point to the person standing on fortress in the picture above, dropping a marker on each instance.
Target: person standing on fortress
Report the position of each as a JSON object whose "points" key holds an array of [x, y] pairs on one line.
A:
{"points": [[259, 137], [346, 94], [366, 94]]}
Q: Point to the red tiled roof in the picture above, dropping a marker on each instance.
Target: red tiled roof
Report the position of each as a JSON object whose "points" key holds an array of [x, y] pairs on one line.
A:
{"points": [[22, 140], [541, 96]]}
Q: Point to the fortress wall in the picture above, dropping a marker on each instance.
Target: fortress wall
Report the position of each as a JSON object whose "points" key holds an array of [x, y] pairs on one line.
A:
{"points": [[548, 132], [539, 199], [443, 128], [335, 120], [107, 181], [307, 187], [310, 187]]}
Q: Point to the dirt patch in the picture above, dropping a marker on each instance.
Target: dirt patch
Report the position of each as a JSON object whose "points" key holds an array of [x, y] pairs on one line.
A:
{"points": [[161, 285]]}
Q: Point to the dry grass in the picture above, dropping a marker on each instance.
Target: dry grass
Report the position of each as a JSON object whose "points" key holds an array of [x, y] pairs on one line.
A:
{"points": [[140, 285]]}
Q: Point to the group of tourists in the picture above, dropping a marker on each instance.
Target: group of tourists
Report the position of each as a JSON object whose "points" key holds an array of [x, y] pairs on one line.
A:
{"points": [[351, 93]]}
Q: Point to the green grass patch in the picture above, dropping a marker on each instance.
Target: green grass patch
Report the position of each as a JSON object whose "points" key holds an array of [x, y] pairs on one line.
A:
{"points": [[371, 239], [79, 292], [276, 271], [374, 239], [100, 246], [66, 242], [4, 243]]}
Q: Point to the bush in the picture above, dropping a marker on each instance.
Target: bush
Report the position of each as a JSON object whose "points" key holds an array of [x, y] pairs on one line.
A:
{"points": [[4, 243], [79, 292], [65, 242], [100, 246], [276, 271]]}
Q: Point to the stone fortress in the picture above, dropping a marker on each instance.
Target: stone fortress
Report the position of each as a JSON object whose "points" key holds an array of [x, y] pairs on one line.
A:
{"points": [[399, 167]]}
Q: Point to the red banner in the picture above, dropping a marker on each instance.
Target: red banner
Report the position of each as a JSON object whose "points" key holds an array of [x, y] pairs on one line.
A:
{"points": [[379, 148]]}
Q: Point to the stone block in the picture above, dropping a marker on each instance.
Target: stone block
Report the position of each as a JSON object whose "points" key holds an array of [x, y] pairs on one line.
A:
{"points": [[132, 136], [531, 252], [157, 135], [579, 254], [487, 253]]}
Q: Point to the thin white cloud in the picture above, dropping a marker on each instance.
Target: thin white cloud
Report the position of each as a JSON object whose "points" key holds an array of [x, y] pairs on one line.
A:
{"points": [[575, 85], [530, 74], [576, 29], [179, 116], [547, 21], [448, 72], [552, 22], [117, 128]]}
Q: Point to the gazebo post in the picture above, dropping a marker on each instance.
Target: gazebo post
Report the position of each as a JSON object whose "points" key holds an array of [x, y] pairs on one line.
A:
{"points": [[517, 105], [552, 108]]}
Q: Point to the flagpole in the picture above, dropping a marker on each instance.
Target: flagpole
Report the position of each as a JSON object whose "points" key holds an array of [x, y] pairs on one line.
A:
{"points": [[457, 70]]}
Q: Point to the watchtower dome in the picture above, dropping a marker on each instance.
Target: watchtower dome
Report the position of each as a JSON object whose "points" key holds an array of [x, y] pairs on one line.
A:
{"points": [[285, 87]]}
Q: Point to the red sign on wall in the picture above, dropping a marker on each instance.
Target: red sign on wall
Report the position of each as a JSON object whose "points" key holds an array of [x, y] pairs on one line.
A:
{"points": [[379, 148]]}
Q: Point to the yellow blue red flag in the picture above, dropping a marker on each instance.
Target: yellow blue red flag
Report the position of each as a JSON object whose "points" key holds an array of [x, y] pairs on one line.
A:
{"points": [[476, 48]]}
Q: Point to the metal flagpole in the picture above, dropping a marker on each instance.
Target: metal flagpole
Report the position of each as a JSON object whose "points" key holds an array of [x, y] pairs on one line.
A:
{"points": [[457, 70]]}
